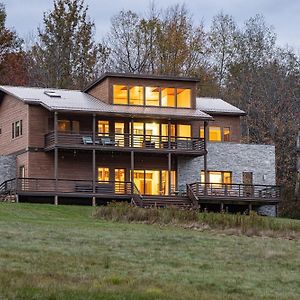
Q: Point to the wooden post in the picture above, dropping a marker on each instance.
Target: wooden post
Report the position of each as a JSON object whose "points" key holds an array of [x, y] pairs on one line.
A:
{"points": [[94, 129], [94, 201], [55, 157], [169, 134], [169, 171], [94, 170], [222, 207], [132, 170], [131, 133], [250, 208], [206, 177]]}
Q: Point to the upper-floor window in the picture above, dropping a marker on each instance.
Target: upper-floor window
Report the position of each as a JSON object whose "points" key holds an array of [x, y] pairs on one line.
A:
{"points": [[215, 133], [17, 129], [68, 126], [103, 127], [152, 96], [120, 94], [183, 97], [136, 95]]}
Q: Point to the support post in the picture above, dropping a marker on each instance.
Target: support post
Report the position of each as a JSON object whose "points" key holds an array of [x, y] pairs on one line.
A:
{"points": [[169, 134], [132, 170], [94, 170], [55, 156], [206, 177], [250, 208], [94, 129], [169, 172], [94, 201], [222, 207], [131, 133]]}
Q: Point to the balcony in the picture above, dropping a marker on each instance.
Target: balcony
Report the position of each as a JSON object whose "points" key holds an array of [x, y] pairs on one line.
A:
{"points": [[125, 142]]}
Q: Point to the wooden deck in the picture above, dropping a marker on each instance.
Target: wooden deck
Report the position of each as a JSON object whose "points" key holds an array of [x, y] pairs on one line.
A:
{"points": [[125, 142], [196, 194]]}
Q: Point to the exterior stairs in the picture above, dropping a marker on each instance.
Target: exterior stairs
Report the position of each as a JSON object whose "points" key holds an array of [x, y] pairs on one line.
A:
{"points": [[164, 201]]}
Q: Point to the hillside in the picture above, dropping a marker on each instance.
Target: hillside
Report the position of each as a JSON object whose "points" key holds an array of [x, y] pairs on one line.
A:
{"points": [[61, 252]]}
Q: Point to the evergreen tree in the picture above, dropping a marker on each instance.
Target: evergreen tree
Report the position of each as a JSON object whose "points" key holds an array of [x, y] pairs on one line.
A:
{"points": [[66, 54]]}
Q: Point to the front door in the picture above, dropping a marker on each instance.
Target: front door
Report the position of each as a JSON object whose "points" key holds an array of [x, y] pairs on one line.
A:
{"points": [[248, 182]]}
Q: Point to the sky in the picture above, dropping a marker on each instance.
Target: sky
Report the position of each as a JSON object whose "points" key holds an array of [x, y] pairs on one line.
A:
{"points": [[284, 15]]}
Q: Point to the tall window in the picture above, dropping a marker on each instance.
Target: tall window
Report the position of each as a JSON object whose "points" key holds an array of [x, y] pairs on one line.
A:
{"points": [[136, 95], [184, 98], [103, 174], [215, 134], [120, 94], [226, 134], [17, 129], [184, 131], [103, 127], [168, 97], [152, 96]]}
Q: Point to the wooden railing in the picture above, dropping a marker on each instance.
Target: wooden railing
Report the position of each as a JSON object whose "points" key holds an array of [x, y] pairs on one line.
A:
{"points": [[126, 140], [233, 191], [7, 188]]}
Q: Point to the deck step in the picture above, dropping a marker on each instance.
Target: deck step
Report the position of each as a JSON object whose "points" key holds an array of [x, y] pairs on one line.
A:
{"points": [[176, 201]]}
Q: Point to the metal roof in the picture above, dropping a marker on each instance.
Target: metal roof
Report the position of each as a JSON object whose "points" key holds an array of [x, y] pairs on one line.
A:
{"points": [[216, 106], [140, 76], [77, 101]]}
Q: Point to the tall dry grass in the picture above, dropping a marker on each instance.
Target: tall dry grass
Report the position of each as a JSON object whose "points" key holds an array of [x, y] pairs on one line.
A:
{"points": [[245, 224]]}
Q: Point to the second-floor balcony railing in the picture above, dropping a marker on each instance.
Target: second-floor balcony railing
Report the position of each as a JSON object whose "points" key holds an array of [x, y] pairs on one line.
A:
{"points": [[118, 140]]}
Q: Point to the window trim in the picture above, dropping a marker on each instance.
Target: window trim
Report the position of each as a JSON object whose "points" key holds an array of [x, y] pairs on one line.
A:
{"points": [[17, 130]]}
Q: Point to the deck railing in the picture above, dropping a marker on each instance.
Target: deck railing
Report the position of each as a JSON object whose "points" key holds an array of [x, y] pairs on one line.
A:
{"points": [[119, 140], [234, 191], [45, 185]]}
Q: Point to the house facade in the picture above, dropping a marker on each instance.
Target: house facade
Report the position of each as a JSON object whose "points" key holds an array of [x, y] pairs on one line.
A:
{"points": [[131, 135]]}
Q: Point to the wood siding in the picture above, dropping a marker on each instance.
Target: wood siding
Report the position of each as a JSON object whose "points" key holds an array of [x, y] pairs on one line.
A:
{"points": [[101, 91], [12, 110]]}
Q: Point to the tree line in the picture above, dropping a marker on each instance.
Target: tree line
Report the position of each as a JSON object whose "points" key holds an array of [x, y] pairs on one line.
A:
{"points": [[241, 64]]}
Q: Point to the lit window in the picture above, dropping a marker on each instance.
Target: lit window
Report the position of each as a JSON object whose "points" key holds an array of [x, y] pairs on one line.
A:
{"points": [[215, 134], [168, 97], [152, 96], [183, 97], [120, 94], [221, 177], [136, 95], [201, 132], [68, 126], [103, 127], [103, 174], [226, 132], [184, 131]]}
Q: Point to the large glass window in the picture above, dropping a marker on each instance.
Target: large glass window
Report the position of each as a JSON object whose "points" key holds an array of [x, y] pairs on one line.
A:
{"points": [[184, 131], [184, 98], [152, 96], [168, 97], [103, 174], [119, 133], [120, 187], [120, 94], [215, 134], [64, 125], [154, 182], [103, 127], [221, 177], [136, 95]]}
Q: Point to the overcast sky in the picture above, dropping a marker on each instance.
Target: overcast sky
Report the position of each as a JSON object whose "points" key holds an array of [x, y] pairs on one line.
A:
{"points": [[25, 15]]}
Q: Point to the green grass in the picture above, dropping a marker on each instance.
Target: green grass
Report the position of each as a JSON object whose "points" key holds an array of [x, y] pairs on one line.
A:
{"points": [[49, 252]]}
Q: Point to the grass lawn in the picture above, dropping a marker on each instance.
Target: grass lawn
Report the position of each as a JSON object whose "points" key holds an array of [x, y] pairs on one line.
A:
{"points": [[49, 252]]}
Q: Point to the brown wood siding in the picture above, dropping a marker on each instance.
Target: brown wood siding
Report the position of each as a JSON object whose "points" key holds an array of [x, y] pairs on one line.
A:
{"points": [[38, 125], [104, 90], [78, 164], [100, 91], [23, 160], [12, 110]]}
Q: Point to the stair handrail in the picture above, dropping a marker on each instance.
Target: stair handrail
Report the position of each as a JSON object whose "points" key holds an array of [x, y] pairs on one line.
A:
{"points": [[137, 196], [191, 195], [7, 188]]}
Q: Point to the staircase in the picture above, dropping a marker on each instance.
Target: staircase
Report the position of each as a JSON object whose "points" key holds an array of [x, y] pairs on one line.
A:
{"points": [[166, 201], [8, 191]]}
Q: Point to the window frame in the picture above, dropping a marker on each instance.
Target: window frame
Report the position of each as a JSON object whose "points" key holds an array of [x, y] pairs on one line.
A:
{"points": [[17, 129]]}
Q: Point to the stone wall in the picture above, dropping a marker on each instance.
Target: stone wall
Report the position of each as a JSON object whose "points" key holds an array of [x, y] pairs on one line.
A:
{"points": [[7, 167], [234, 157]]}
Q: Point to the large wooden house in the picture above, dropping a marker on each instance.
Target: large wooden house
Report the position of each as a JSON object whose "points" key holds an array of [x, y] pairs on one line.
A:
{"points": [[141, 138]]}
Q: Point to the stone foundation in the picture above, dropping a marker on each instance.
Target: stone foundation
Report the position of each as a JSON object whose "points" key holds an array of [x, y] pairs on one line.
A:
{"points": [[7, 167], [267, 210]]}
